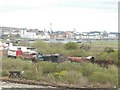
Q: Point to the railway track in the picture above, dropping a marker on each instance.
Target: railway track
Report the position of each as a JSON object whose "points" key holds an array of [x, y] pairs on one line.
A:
{"points": [[17, 85], [6, 82]]}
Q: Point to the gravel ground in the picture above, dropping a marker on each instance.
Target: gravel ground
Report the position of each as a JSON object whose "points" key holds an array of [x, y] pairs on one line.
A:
{"points": [[15, 85]]}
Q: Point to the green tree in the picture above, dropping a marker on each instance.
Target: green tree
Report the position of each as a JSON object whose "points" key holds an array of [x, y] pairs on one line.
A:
{"points": [[41, 46]]}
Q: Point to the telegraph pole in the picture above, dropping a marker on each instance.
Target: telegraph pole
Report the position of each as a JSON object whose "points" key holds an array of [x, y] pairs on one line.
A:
{"points": [[51, 27]]}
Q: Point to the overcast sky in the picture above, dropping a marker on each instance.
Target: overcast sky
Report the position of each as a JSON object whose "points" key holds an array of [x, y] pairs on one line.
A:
{"points": [[65, 15]]}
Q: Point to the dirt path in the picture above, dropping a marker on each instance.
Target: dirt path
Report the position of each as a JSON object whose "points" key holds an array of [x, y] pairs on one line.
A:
{"points": [[15, 85]]}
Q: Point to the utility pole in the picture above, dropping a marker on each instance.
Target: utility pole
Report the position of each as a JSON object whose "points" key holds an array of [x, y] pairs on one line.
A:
{"points": [[51, 27]]}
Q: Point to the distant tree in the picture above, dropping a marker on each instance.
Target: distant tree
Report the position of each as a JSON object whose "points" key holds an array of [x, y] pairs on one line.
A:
{"points": [[71, 46]]}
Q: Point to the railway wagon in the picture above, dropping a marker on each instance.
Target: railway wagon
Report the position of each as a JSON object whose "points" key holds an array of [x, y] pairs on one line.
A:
{"points": [[30, 55], [52, 57], [82, 59], [21, 51]]}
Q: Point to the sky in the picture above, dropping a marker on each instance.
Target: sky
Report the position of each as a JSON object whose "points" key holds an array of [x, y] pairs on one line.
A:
{"points": [[65, 15]]}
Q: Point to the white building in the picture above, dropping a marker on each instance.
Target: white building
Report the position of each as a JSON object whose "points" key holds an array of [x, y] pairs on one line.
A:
{"points": [[34, 35], [112, 36]]}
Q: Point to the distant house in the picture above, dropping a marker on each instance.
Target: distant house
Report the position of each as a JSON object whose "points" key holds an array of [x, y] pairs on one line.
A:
{"points": [[104, 35], [15, 32], [34, 34], [84, 35], [27, 34], [94, 35], [77, 35], [6, 33], [42, 35], [69, 35], [7, 30], [113, 35]]}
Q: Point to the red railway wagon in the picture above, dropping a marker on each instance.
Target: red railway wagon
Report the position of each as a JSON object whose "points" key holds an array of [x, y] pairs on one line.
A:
{"points": [[81, 59], [19, 53]]}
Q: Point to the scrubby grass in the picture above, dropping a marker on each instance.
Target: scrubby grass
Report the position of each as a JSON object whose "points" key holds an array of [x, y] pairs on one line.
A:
{"points": [[95, 48], [78, 74], [107, 76], [98, 46], [65, 73]]}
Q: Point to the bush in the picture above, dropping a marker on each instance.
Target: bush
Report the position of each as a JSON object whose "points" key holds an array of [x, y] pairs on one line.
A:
{"points": [[5, 73], [108, 50], [61, 73], [88, 68], [30, 75], [68, 66], [48, 67], [77, 53], [105, 76], [85, 47], [71, 77], [108, 56], [71, 46]]}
